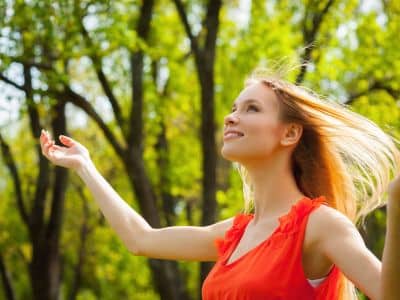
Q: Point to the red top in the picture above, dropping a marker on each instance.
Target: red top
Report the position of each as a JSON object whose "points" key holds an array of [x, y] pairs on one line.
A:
{"points": [[273, 269]]}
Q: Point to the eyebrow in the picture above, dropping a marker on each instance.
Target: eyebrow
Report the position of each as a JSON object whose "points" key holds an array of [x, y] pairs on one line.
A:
{"points": [[247, 101]]}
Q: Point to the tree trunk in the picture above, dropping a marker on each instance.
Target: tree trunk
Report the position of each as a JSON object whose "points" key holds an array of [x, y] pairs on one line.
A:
{"points": [[6, 280], [166, 274], [45, 267], [209, 153]]}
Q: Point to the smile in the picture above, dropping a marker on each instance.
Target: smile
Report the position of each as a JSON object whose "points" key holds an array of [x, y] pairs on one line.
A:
{"points": [[232, 135]]}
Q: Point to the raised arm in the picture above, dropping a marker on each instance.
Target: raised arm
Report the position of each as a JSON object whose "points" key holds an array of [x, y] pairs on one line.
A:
{"points": [[390, 288], [178, 242]]}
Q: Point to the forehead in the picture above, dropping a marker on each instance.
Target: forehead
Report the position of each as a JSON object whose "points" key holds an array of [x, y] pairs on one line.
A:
{"points": [[258, 92]]}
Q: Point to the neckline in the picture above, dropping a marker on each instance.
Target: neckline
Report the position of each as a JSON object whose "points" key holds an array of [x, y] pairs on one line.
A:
{"points": [[281, 221]]}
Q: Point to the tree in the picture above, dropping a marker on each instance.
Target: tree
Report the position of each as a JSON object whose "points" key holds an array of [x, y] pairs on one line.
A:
{"points": [[152, 81]]}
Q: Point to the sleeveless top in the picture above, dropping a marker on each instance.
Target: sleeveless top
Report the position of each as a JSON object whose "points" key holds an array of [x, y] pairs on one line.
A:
{"points": [[273, 269]]}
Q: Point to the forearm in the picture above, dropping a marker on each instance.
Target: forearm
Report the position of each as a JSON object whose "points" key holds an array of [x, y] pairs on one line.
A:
{"points": [[127, 223], [390, 288]]}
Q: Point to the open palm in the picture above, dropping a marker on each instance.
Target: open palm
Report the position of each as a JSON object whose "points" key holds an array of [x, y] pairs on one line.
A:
{"points": [[72, 155]]}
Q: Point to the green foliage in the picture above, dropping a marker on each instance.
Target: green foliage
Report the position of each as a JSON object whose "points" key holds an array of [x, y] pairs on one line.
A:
{"points": [[355, 53]]}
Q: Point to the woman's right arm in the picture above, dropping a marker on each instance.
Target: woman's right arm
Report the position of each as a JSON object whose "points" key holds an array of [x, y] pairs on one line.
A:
{"points": [[176, 243]]}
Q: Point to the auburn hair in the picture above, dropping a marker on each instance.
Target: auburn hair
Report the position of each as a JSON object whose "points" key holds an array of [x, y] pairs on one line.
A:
{"points": [[341, 154]]}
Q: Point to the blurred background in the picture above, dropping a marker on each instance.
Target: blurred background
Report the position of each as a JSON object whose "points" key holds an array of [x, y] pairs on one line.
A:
{"points": [[144, 85]]}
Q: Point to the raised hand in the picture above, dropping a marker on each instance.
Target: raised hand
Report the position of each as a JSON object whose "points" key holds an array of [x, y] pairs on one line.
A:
{"points": [[73, 155]]}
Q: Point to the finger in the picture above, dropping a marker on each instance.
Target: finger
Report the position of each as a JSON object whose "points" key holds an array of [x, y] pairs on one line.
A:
{"points": [[67, 141], [45, 151], [47, 146], [43, 138], [47, 136], [56, 147]]}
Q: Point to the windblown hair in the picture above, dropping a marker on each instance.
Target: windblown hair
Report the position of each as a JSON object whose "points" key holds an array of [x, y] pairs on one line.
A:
{"points": [[341, 154]]}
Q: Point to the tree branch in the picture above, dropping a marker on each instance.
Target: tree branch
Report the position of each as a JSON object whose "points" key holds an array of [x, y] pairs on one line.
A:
{"points": [[10, 82], [374, 86], [310, 35], [211, 23], [79, 101], [182, 14], [11, 165], [103, 79], [6, 279], [135, 136]]}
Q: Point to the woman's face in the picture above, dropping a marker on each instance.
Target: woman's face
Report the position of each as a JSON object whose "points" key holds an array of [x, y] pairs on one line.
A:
{"points": [[252, 131]]}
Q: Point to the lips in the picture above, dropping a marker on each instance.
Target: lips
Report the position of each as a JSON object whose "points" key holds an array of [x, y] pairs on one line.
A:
{"points": [[230, 134]]}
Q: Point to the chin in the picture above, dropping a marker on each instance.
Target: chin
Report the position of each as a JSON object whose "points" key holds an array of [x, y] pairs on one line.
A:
{"points": [[230, 155]]}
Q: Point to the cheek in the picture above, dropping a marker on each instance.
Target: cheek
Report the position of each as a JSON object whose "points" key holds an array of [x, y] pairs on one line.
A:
{"points": [[266, 133], [264, 138], [260, 141]]}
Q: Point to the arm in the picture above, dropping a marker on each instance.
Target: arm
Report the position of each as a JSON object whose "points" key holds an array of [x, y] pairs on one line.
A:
{"points": [[180, 242], [340, 242], [390, 288]]}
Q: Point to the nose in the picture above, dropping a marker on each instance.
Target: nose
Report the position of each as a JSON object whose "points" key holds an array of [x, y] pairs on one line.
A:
{"points": [[231, 119]]}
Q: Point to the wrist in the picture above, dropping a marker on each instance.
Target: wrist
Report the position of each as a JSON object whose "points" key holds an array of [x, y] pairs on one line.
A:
{"points": [[85, 168]]}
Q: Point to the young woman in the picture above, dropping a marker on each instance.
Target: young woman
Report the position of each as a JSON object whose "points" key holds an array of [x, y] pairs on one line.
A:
{"points": [[311, 169]]}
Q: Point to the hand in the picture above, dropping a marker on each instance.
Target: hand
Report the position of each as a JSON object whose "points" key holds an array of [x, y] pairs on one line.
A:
{"points": [[73, 156]]}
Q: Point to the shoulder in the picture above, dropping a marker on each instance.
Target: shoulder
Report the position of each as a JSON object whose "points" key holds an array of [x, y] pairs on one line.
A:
{"points": [[327, 225], [337, 239], [328, 217], [218, 229]]}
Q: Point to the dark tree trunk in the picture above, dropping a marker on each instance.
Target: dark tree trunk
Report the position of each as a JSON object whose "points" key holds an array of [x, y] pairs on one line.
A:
{"points": [[166, 274], [204, 56], [9, 293], [82, 250], [209, 163], [312, 21], [45, 267]]}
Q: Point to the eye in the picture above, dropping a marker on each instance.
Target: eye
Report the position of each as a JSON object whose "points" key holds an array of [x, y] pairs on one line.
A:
{"points": [[252, 107]]}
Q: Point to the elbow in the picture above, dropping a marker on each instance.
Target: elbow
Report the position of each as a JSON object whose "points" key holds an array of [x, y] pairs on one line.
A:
{"points": [[134, 249], [137, 245]]}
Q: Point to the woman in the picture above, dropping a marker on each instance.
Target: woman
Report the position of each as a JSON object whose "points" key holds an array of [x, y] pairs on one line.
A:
{"points": [[311, 169]]}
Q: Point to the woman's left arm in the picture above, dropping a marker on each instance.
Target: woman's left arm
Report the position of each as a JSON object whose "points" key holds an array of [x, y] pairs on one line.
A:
{"points": [[339, 240], [343, 245], [390, 287]]}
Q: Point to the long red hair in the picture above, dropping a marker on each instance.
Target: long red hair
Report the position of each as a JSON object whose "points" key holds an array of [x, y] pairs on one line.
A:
{"points": [[341, 154]]}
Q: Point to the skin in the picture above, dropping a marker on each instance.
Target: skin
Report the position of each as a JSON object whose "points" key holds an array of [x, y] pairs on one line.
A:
{"points": [[264, 148]]}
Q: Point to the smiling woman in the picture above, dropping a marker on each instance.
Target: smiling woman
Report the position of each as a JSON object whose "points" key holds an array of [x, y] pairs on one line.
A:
{"points": [[311, 169], [323, 149]]}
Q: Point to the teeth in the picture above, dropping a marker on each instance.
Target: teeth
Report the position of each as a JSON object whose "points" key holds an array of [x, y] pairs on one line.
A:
{"points": [[233, 134]]}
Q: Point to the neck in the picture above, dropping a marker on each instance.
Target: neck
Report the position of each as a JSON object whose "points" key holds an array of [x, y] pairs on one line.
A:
{"points": [[275, 188]]}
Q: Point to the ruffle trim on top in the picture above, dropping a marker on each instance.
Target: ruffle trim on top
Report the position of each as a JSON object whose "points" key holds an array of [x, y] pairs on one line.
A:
{"points": [[291, 221], [239, 223], [287, 223]]}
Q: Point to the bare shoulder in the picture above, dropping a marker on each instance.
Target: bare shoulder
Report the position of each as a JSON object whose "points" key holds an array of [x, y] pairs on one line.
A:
{"points": [[326, 224], [335, 237], [218, 229]]}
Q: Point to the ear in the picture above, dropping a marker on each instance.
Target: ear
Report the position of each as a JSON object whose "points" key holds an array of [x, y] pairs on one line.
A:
{"points": [[292, 134]]}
